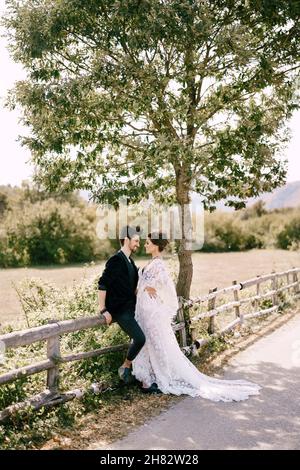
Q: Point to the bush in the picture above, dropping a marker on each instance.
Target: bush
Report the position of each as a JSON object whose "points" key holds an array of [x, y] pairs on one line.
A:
{"points": [[3, 203], [47, 232], [225, 232], [289, 237], [50, 232], [256, 228]]}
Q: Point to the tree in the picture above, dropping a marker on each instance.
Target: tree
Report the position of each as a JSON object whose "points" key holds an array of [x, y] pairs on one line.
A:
{"points": [[159, 97]]}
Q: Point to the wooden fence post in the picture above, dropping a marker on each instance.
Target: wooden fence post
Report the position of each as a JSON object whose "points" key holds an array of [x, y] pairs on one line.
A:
{"points": [[192, 332], [180, 317], [274, 287], [288, 281], [256, 303], [238, 313], [211, 306], [53, 353], [297, 287]]}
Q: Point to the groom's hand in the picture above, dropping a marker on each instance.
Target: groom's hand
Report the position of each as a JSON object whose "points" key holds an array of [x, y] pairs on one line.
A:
{"points": [[151, 291], [104, 313]]}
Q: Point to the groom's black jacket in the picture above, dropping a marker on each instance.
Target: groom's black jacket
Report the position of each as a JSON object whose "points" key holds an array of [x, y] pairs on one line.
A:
{"points": [[119, 279]]}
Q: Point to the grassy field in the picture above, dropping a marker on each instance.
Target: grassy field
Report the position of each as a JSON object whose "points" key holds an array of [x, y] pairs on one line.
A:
{"points": [[210, 270]]}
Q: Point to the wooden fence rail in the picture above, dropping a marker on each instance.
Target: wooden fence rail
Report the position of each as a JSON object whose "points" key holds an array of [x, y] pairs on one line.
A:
{"points": [[52, 332]]}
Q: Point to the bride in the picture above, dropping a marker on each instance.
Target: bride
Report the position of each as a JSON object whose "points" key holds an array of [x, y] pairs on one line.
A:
{"points": [[161, 365]]}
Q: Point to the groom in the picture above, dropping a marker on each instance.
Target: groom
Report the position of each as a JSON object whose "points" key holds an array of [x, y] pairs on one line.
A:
{"points": [[117, 296]]}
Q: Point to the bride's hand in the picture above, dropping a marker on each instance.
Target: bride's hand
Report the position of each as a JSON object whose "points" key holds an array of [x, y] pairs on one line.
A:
{"points": [[151, 291]]}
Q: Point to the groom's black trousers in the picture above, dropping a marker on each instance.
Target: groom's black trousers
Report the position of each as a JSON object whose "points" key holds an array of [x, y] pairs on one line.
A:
{"points": [[129, 324]]}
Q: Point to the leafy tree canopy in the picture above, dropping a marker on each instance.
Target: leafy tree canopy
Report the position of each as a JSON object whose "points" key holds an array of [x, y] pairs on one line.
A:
{"points": [[157, 96]]}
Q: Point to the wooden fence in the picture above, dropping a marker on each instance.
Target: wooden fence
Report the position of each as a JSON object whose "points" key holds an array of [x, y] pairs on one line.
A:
{"points": [[52, 331], [290, 280]]}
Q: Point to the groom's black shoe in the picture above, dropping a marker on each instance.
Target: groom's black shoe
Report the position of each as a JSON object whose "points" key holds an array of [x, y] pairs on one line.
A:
{"points": [[152, 389]]}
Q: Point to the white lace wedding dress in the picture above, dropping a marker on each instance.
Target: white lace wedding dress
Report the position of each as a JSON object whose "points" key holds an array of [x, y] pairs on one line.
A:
{"points": [[161, 359]]}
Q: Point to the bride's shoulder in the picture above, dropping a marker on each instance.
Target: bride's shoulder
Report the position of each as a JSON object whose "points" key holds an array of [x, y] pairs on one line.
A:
{"points": [[154, 265], [159, 261], [160, 264]]}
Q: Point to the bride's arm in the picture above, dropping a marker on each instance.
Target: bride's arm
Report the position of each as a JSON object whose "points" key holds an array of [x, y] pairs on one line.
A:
{"points": [[156, 279], [160, 279], [151, 290]]}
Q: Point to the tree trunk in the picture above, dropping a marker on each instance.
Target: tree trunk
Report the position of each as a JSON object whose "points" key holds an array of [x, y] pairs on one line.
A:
{"points": [[184, 248], [185, 255], [185, 271], [184, 285]]}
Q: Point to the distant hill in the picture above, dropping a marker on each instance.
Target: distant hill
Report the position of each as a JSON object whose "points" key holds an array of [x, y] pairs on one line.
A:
{"points": [[286, 196]]}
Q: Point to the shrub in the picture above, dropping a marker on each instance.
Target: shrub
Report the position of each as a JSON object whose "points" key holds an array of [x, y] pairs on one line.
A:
{"points": [[225, 232], [50, 232], [253, 229], [289, 237]]}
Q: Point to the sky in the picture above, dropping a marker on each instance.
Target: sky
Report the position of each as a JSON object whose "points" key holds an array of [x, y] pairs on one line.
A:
{"points": [[15, 160]]}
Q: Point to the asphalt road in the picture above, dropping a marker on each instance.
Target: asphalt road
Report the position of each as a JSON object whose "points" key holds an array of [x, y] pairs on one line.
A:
{"points": [[270, 420]]}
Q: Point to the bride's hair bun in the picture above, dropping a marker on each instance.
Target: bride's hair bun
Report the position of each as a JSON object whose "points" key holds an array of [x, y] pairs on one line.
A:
{"points": [[159, 239]]}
